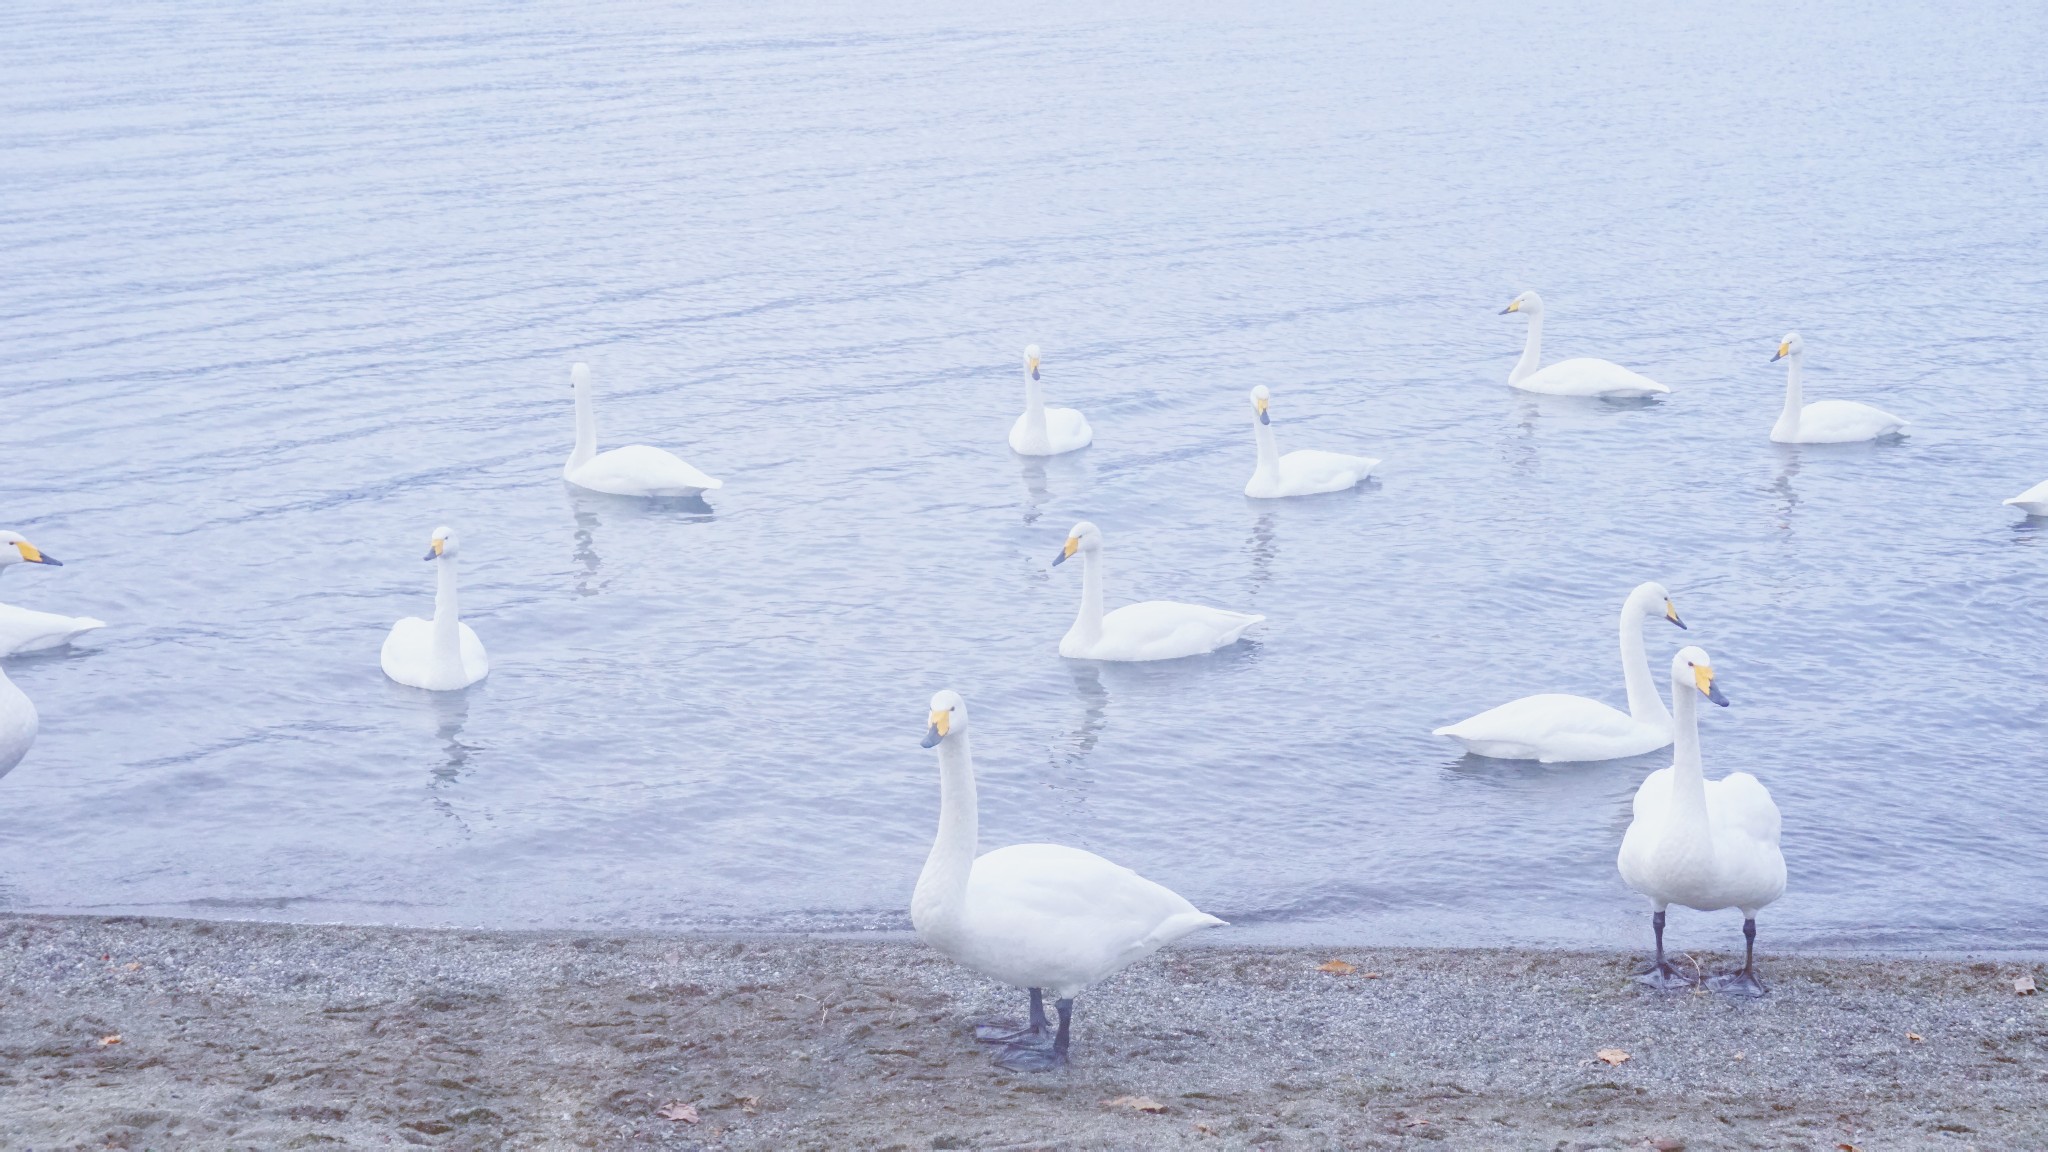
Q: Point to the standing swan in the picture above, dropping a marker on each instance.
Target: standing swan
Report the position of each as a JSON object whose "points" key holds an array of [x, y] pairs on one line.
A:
{"points": [[24, 629], [636, 469], [1554, 727], [444, 654], [1043, 431], [17, 724], [1825, 421], [1706, 844], [1034, 916], [1303, 472], [1580, 377], [1153, 630]]}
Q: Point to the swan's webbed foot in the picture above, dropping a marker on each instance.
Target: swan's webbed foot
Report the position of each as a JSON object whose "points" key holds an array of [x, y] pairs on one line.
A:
{"points": [[1741, 983], [1031, 1058], [1664, 977], [1010, 1032]]}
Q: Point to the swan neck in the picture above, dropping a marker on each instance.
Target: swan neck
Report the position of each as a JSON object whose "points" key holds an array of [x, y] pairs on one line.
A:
{"points": [[1269, 449], [1532, 351], [1788, 420], [1645, 703], [1088, 625], [1688, 785], [942, 886], [447, 620], [586, 430], [1034, 406]]}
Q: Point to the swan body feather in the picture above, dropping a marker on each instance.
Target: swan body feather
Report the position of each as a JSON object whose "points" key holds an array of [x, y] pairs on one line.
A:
{"points": [[26, 630], [18, 724], [2034, 501]]}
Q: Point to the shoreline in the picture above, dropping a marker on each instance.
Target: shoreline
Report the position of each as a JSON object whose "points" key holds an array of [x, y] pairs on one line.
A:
{"points": [[264, 1034]]}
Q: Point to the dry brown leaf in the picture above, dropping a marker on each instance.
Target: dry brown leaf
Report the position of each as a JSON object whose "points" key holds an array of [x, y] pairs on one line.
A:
{"points": [[1738, 1055], [1368, 975], [1612, 1055], [1337, 967], [677, 1110], [1915, 1037], [1418, 1122], [1847, 1148], [109, 1041], [1668, 1144], [131, 966], [748, 1104], [2023, 986], [1205, 1130], [1135, 1104]]}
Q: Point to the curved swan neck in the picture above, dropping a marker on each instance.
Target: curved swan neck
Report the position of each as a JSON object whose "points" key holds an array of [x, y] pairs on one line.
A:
{"points": [[1688, 783], [1532, 351], [447, 620], [942, 886], [586, 429], [1788, 420], [1269, 449], [1645, 703], [1034, 406], [1088, 625]]}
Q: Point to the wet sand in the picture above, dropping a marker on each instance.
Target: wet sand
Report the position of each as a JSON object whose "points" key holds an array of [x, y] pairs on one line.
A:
{"points": [[237, 1035]]}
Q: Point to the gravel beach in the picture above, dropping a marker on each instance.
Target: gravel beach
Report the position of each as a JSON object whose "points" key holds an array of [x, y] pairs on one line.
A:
{"points": [[134, 1033]]}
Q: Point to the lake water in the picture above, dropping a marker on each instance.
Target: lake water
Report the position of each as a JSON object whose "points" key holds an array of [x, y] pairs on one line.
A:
{"points": [[288, 286]]}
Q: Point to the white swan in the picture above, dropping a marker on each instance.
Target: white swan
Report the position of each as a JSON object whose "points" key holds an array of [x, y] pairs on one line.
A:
{"points": [[1034, 916], [1043, 431], [2034, 501], [1706, 844], [1824, 421], [1303, 472], [443, 654], [1152, 630], [17, 724], [24, 629], [1555, 727], [1579, 377], [636, 469]]}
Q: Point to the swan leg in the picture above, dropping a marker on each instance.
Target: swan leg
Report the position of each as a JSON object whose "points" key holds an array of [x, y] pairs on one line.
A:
{"points": [[1008, 1031], [1028, 1057], [1745, 982], [1660, 973]]}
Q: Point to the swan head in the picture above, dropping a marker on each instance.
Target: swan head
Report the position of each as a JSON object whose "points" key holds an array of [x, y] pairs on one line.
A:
{"points": [[443, 544], [1691, 664], [1528, 302], [579, 376], [1260, 399], [1031, 360], [948, 715], [1651, 597], [14, 549], [1789, 346], [1085, 537]]}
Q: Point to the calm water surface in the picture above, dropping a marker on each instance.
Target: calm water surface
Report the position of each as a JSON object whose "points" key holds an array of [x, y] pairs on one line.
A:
{"points": [[288, 286]]}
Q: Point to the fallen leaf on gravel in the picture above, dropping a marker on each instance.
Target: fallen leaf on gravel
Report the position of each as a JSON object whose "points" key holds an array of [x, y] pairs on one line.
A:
{"points": [[1612, 1055], [1135, 1104], [677, 1110], [1205, 1130], [107, 1041], [1915, 1037], [1337, 967], [131, 966], [1847, 1148], [1738, 1055], [1667, 1144], [2024, 986], [747, 1104], [1416, 1123]]}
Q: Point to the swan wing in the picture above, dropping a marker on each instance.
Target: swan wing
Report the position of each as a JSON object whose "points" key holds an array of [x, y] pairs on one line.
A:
{"points": [[1047, 915], [1586, 376], [18, 724], [1554, 727], [475, 663], [1750, 869], [1168, 630], [1845, 422], [408, 654], [27, 630], [642, 470], [1307, 471], [2034, 500], [1067, 429]]}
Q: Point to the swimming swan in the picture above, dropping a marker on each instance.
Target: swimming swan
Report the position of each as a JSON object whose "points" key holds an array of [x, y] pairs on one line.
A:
{"points": [[1824, 421], [24, 629], [1035, 916], [1043, 431], [1153, 630], [1304, 472], [443, 654], [1555, 727], [1706, 844], [17, 724], [2034, 501], [1580, 377], [636, 469]]}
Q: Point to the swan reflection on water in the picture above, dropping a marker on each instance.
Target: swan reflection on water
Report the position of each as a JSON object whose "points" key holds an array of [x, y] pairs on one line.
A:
{"points": [[451, 712]]}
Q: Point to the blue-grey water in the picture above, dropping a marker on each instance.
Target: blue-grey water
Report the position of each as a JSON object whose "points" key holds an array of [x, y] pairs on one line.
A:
{"points": [[287, 286]]}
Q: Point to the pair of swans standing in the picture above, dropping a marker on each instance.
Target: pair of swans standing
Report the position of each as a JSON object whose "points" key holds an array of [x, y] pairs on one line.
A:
{"points": [[26, 630], [444, 654], [1821, 422], [1048, 431], [1704, 844]]}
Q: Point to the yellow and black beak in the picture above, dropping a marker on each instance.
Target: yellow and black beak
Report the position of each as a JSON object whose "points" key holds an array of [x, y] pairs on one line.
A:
{"points": [[941, 723], [30, 554], [1784, 350], [1513, 306], [1260, 404], [433, 553], [1072, 546], [1703, 679], [1671, 614]]}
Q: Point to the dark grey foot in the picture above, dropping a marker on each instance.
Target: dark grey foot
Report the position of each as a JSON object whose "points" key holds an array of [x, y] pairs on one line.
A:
{"points": [[1743, 983], [1010, 1032], [1031, 1058], [1664, 977]]}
